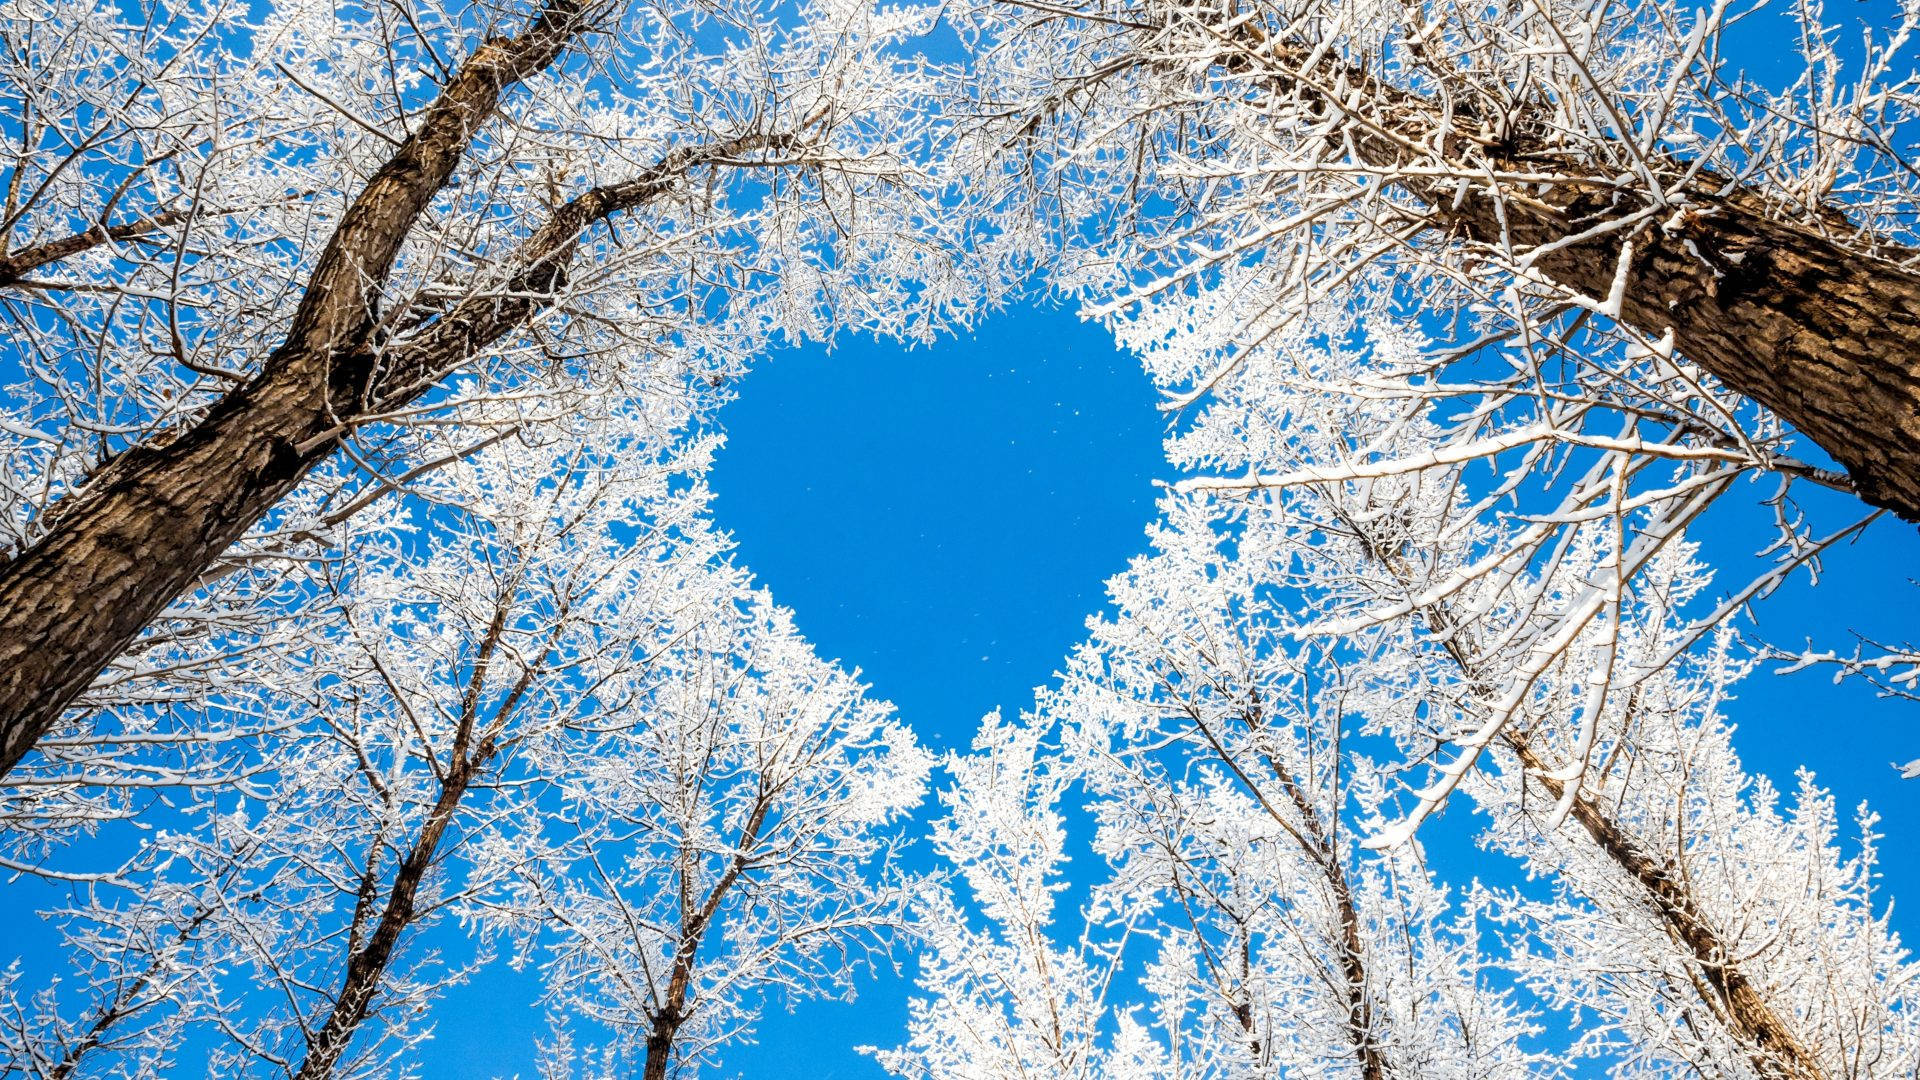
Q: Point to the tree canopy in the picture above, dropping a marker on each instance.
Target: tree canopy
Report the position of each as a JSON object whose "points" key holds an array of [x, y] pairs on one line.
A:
{"points": [[364, 621]]}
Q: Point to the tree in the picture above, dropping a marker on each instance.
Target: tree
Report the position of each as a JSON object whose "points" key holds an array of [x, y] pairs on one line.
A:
{"points": [[1804, 975], [1572, 243], [542, 701], [510, 220], [1559, 656], [727, 832], [446, 653], [1687, 919], [1226, 815], [1672, 865], [1588, 193]]}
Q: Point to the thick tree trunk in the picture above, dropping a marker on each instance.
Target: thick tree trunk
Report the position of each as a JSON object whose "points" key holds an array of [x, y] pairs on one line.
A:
{"points": [[139, 536], [148, 526], [1826, 338], [152, 520]]}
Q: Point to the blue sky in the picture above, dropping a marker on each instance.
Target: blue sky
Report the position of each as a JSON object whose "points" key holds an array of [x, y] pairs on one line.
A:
{"points": [[942, 519]]}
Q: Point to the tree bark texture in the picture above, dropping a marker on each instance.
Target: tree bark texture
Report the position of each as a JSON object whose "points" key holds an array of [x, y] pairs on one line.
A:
{"points": [[1826, 338], [154, 518]]}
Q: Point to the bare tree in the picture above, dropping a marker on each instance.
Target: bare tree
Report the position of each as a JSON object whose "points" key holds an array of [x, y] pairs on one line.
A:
{"points": [[437, 698], [726, 835], [1235, 926], [1580, 684]]}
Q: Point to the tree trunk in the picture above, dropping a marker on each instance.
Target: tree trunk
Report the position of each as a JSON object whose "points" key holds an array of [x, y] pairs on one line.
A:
{"points": [[1772, 1046], [153, 519], [1317, 843], [1826, 338], [1736, 1003], [137, 537], [672, 1011], [666, 1027], [367, 966], [1353, 964]]}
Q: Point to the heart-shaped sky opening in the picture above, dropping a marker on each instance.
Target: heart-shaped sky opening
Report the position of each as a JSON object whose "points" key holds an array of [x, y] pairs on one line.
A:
{"points": [[945, 518]]}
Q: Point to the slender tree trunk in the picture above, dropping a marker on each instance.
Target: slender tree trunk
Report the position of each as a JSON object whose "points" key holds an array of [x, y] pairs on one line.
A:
{"points": [[367, 966], [469, 753], [1826, 338], [1772, 1046], [1353, 962], [1316, 841], [1740, 1007], [126, 1002], [695, 922]]}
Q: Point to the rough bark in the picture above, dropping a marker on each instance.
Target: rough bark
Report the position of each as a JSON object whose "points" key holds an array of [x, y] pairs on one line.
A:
{"points": [[153, 518], [666, 1027], [1826, 338], [139, 535], [16, 265], [151, 522]]}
